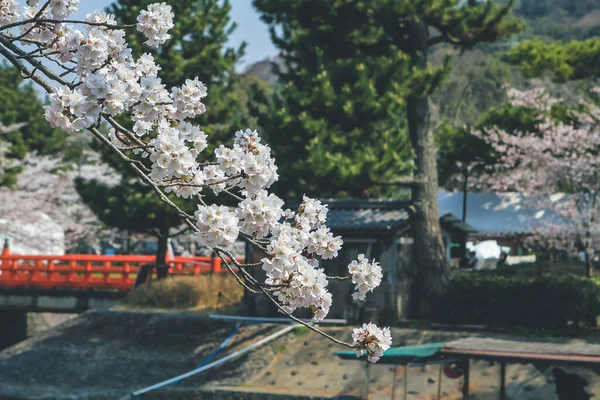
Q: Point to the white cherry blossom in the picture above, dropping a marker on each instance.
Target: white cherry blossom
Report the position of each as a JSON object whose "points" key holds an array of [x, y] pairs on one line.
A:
{"points": [[260, 214], [9, 11], [371, 340], [155, 22], [366, 276], [218, 226], [323, 243]]}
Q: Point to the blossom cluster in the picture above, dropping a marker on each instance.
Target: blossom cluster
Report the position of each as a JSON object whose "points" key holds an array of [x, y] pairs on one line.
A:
{"points": [[217, 225], [260, 214], [170, 154], [292, 265], [372, 341], [155, 23], [366, 276], [109, 82], [55, 10], [9, 11]]}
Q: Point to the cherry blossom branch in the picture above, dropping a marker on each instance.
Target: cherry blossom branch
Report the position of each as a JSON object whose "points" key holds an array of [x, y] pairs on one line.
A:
{"points": [[24, 71], [309, 326], [64, 21], [109, 82], [240, 281], [133, 164], [34, 63]]}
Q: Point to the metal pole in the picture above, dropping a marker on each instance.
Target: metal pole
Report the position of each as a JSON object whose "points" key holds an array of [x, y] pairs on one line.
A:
{"points": [[465, 193], [367, 397], [405, 381], [394, 382], [502, 381], [211, 365], [266, 320], [465, 388], [440, 382]]}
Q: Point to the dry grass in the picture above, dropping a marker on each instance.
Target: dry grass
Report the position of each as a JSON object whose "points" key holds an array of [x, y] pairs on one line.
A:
{"points": [[187, 292]]}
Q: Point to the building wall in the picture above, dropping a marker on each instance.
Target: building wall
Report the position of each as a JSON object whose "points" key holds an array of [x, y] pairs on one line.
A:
{"points": [[380, 306]]}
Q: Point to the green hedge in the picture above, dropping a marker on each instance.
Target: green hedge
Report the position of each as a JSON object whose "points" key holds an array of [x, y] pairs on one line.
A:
{"points": [[547, 301], [539, 268]]}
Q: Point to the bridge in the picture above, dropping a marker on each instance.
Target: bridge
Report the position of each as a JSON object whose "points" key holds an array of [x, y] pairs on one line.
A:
{"points": [[75, 283], [78, 282]]}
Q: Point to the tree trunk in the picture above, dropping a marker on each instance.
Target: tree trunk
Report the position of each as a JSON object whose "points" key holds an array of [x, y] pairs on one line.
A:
{"points": [[589, 264], [465, 193], [162, 268], [431, 274], [463, 238]]}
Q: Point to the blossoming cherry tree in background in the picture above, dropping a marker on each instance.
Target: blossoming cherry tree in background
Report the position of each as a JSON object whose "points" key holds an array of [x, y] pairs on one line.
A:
{"points": [[556, 166], [100, 80]]}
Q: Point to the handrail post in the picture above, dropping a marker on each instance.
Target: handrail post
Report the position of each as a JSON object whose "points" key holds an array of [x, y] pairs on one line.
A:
{"points": [[106, 274], [6, 248], [14, 266], [216, 265], [51, 274], [88, 273], [126, 271], [71, 273], [36, 274]]}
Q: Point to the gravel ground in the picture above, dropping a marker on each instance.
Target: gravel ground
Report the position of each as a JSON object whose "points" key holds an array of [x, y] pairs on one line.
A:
{"points": [[105, 355]]}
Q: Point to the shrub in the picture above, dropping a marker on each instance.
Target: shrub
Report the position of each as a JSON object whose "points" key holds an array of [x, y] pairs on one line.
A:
{"points": [[540, 268], [547, 301], [181, 292]]}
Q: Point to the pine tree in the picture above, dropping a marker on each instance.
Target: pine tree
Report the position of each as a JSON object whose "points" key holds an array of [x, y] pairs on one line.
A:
{"points": [[566, 61], [20, 106], [336, 122], [352, 41], [198, 47]]}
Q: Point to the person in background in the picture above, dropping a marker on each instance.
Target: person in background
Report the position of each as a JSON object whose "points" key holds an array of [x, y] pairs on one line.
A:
{"points": [[570, 386], [502, 261], [472, 260]]}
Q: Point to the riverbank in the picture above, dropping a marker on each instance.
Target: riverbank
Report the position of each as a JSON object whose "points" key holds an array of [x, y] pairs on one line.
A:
{"points": [[106, 355]]}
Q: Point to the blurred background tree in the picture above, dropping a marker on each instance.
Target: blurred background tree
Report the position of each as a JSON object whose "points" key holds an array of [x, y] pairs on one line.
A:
{"points": [[355, 87], [565, 61], [22, 108]]}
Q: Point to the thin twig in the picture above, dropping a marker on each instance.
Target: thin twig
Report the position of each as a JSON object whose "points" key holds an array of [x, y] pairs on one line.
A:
{"points": [[34, 63], [35, 17], [17, 64], [238, 278], [64, 21], [298, 320]]}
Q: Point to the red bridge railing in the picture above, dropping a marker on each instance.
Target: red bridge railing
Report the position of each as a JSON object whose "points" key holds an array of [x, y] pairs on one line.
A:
{"points": [[87, 271]]}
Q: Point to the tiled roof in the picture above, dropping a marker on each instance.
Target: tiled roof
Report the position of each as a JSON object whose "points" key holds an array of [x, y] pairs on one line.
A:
{"points": [[377, 215], [367, 219], [452, 223], [373, 215], [499, 214]]}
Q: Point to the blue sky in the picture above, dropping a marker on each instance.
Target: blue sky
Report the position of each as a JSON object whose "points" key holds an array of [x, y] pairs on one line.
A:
{"points": [[250, 28]]}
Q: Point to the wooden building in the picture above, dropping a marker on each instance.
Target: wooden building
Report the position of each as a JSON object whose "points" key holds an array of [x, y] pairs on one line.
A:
{"points": [[379, 229]]}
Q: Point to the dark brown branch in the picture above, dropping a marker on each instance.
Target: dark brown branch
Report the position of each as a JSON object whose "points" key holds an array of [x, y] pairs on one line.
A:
{"points": [[64, 21], [298, 320]]}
